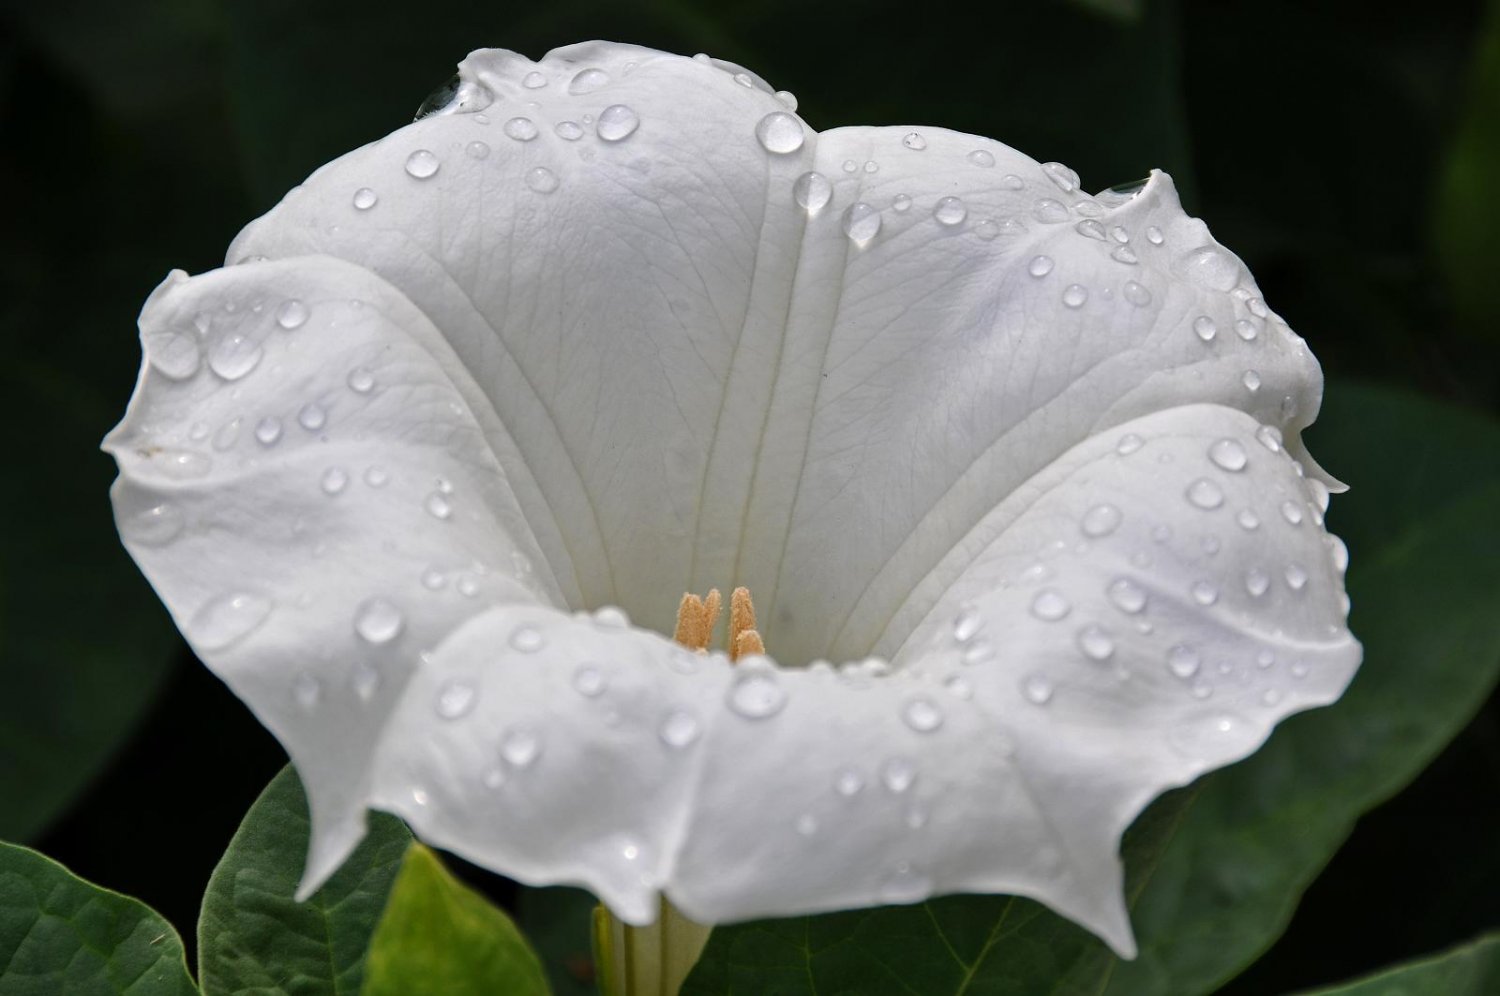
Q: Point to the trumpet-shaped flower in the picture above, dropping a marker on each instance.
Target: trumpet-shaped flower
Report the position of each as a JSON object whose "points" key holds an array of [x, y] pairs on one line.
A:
{"points": [[424, 473]]}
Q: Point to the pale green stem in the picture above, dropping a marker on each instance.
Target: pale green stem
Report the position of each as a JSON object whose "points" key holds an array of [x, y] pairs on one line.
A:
{"points": [[646, 961]]}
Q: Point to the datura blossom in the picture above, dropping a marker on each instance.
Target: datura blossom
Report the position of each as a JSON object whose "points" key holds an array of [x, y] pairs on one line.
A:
{"points": [[1012, 473]]}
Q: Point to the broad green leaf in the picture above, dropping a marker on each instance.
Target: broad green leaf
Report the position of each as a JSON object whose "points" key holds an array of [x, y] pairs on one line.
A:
{"points": [[253, 937], [1471, 970], [1425, 584], [60, 934], [1466, 214], [439, 936], [557, 920]]}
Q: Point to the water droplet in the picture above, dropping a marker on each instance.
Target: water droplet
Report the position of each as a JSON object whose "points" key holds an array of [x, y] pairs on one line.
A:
{"points": [[756, 696], [966, 624], [226, 619], [950, 211], [521, 129], [1247, 519], [1246, 329], [680, 729], [1210, 267], [361, 381], [174, 352], [477, 150], [1291, 511], [1101, 520], [1119, 234], [268, 430], [569, 131], [589, 681], [292, 314], [1205, 592], [456, 698], [365, 198], [1012, 182], [1256, 582], [978, 652], [898, 774], [527, 638], [812, 191], [1257, 307], [903, 885], [914, 141], [1154, 235], [1049, 605], [334, 480], [1039, 266], [520, 748], [541, 179], [421, 164], [1269, 437], [1183, 661], [1095, 643], [1205, 494], [1036, 689], [1251, 380], [1296, 576], [922, 715], [1136, 294], [1075, 295], [987, 229], [787, 98], [901, 202], [234, 355], [780, 132], [1126, 255], [377, 621], [534, 80], [617, 123], [1050, 211], [959, 687], [861, 222], [979, 157], [848, 782], [1090, 229], [1229, 455], [1127, 595], [311, 416], [1129, 443], [744, 80], [587, 81], [154, 526], [1061, 175]]}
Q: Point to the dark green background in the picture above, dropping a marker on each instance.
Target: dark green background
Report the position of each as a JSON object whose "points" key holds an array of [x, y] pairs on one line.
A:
{"points": [[1347, 157]]}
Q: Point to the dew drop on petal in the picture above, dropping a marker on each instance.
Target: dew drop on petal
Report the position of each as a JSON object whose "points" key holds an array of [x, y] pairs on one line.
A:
{"points": [[861, 222], [1205, 592], [903, 885], [898, 774], [756, 696], [1129, 443], [616, 123], [438, 506], [234, 355], [1127, 596], [361, 381], [966, 624], [1205, 494], [334, 480], [1061, 175], [812, 191], [1154, 235], [226, 619], [1256, 582], [1251, 380], [1183, 661], [477, 150], [456, 698], [1292, 512], [780, 132], [980, 157], [1036, 689], [292, 314], [1050, 211], [421, 164], [154, 526], [1050, 605], [1228, 454], [1039, 266], [1101, 520], [587, 81], [521, 129], [520, 748], [174, 352], [1091, 229], [1270, 437], [901, 203], [589, 681], [541, 179], [1210, 267], [680, 729], [534, 80], [569, 131], [922, 715], [365, 198], [1095, 643], [950, 211], [1124, 254], [959, 687], [377, 621], [914, 141], [1247, 519], [1296, 576], [1075, 295], [268, 430], [848, 782], [1136, 294], [527, 639], [312, 416]]}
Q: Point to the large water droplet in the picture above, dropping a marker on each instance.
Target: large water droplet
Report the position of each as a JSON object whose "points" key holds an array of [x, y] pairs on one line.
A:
{"points": [[1291, 511], [1251, 380], [365, 198], [1211, 267], [914, 141], [226, 619], [861, 222], [377, 621], [950, 211], [616, 123], [1183, 661], [360, 381], [541, 179], [756, 696], [1229, 455], [1050, 605], [812, 191], [1101, 520], [1127, 595], [521, 129], [980, 157], [1205, 328], [1257, 582], [1205, 494], [268, 430], [1037, 689], [1246, 329], [533, 80], [680, 729], [1095, 643], [568, 131], [312, 416], [1039, 266], [1090, 228], [922, 715], [1136, 294], [174, 352], [966, 624], [1296, 576], [456, 698], [587, 81], [520, 748], [292, 314], [1074, 295], [1050, 211], [1270, 437], [334, 480], [1061, 175], [421, 164], [1129, 443], [1205, 592]]}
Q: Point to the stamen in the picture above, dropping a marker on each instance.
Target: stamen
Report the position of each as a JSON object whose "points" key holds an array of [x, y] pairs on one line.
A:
{"points": [[744, 638], [696, 619]]}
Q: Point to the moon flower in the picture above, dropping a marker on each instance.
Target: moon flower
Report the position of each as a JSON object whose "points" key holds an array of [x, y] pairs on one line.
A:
{"points": [[1012, 472]]}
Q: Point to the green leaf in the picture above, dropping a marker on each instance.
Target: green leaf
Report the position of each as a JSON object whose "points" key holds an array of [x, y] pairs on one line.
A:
{"points": [[1211, 890], [60, 934], [558, 920], [1471, 970], [253, 937], [439, 936]]}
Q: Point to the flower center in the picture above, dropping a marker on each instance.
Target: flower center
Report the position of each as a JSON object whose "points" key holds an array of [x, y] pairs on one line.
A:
{"points": [[697, 617]]}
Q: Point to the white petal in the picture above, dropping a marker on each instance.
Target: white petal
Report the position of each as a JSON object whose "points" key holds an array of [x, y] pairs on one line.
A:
{"points": [[304, 481]]}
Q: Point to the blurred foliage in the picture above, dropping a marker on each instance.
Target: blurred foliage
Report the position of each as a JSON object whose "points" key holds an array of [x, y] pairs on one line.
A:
{"points": [[1344, 156], [1472, 970]]}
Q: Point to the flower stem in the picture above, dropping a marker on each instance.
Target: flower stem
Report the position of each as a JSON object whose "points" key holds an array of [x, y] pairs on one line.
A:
{"points": [[646, 961]]}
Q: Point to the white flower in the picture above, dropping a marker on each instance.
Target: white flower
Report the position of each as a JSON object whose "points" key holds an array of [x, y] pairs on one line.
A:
{"points": [[1023, 462]]}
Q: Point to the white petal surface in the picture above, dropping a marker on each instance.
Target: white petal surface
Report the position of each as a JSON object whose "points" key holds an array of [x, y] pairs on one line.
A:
{"points": [[924, 396]]}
